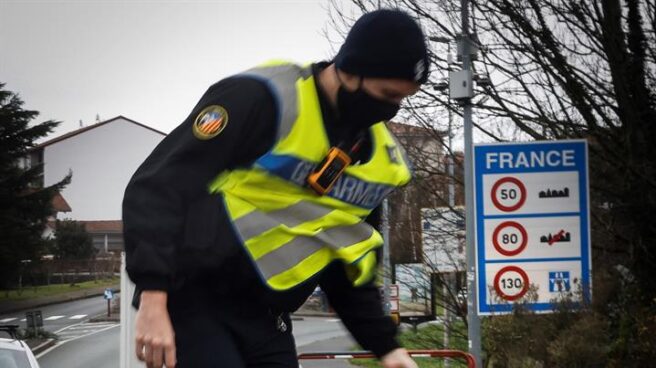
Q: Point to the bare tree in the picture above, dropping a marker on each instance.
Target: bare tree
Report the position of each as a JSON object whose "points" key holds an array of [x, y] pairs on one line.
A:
{"points": [[563, 69]]}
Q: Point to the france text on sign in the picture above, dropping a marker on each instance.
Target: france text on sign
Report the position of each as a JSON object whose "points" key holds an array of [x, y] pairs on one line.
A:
{"points": [[532, 223]]}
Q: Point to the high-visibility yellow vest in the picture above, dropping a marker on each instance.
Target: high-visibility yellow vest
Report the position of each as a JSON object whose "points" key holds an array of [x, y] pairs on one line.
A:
{"points": [[289, 231]]}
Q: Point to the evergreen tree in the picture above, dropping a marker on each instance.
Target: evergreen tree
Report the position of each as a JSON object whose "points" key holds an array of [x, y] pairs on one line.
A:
{"points": [[72, 241], [24, 207]]}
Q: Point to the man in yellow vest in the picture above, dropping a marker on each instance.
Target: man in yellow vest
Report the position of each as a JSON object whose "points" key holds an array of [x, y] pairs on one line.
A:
{"points": [[268, 189]]}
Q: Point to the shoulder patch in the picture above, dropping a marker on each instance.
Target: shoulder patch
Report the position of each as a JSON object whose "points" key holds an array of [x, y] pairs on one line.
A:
{"points": [[210, 122]]}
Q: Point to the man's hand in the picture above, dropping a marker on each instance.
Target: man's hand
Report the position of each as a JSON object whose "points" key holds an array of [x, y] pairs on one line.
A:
{"points": [[398, 358], [154, 332]]}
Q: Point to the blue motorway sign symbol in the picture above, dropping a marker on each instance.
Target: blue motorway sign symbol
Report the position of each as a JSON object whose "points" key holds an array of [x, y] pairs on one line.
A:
{"points": [[532, 223], [559, 282]]}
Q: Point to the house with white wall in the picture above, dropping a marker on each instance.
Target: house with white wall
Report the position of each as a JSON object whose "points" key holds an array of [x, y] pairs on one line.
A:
{"points": [[102, 157]]}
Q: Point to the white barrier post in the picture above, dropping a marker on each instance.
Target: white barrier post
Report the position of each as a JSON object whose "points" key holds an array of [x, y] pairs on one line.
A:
{"points": [[128, 314]]}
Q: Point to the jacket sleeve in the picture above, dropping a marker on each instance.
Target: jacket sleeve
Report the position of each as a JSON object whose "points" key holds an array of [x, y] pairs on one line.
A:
{"points": [[361, 308], [361, 311], [177, 173]]}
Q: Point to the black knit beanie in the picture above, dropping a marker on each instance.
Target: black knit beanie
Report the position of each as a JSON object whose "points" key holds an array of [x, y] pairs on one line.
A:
{"points": [[385, 43]]}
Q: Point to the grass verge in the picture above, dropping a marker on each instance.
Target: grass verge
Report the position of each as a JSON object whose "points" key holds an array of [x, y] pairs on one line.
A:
{"points": [[428, 337], [55, 289]]}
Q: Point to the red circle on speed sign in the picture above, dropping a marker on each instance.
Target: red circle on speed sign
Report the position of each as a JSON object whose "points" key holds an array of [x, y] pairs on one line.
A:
{"points": [[512, 283], [522, 194], [522, 244]]}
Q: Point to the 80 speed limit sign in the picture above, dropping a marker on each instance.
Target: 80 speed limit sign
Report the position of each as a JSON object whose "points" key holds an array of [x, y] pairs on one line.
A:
{"points": [[509, 238]]}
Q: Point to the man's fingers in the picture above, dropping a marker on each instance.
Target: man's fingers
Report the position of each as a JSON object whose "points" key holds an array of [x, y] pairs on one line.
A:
{"points": [[158, 353], [169, 355], [148, 351], [140, 348]]}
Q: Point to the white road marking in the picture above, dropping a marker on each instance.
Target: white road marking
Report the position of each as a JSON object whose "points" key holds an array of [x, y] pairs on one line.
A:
{"points": [[23, 320], [52, 318], [86, 326], [333, 320], [8, 319], [73, 339], [77, 316]]}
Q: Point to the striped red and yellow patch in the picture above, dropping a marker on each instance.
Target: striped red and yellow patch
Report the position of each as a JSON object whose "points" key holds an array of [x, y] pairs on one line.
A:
{"points": [[210, 122]]}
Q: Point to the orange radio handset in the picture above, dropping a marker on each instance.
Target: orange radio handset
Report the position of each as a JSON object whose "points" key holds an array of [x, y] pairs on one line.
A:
{"points": [[324, 176]]}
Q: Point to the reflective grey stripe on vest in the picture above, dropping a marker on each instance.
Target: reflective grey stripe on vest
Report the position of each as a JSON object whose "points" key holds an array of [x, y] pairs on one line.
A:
{"points": [[257, 222], [301, 247], [282, 80]]}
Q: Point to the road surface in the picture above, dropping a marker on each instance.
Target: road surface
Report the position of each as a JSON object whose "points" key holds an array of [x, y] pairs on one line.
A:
{"points": [[85, 344], [58, 316]]}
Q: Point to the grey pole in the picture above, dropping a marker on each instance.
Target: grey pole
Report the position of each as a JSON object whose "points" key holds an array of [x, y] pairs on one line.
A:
{"points": [[473, 321], [452, 194], [452, 189], [452, 203], [386, 258]]}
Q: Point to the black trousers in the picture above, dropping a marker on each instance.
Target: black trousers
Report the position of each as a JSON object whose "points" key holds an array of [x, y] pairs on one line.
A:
{"points": [[216, 331]]}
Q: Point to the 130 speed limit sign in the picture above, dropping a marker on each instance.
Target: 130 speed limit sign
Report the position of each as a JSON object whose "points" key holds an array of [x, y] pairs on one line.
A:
{"points": [[511, 283]]}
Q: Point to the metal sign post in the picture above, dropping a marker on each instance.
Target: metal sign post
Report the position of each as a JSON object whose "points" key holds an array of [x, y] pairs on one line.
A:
{"points": [[461, 89], [29, 321], [532, 223], [387, 268]]}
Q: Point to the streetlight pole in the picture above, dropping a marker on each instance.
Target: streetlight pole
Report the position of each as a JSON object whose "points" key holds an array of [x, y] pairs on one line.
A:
{"points": [[460, 89], [473, 321]]}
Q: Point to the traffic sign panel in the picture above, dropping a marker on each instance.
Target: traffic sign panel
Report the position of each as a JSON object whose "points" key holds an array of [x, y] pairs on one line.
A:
{"points": [[543, 193], [394, 291], [501, 283], [541, 241], [532, 223], [394, 305]]}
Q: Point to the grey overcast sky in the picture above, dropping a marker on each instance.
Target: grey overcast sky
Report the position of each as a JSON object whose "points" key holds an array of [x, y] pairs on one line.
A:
{"points": [[147, 60]]}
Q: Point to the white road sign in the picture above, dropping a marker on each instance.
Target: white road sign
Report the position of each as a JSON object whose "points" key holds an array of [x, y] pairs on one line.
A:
{"points": [[532, 223]]}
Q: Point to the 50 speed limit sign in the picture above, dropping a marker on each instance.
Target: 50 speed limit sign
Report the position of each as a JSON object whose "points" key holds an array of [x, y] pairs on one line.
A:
{"points": [[508, 194]]}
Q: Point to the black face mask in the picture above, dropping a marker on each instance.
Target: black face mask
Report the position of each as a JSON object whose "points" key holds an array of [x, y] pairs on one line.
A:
{"points": [[359, 110]]}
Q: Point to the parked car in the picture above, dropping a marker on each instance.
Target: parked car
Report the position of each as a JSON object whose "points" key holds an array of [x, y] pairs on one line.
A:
{"points": [[15, 353]]}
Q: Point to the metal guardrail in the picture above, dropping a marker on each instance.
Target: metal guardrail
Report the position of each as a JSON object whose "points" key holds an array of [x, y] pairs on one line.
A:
{"points": [[11, 330], [455, 354]]}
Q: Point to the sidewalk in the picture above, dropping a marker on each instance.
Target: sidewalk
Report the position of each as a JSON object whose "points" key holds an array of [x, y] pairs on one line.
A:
{"points": [[310, 312], [342, 344], [20, 305]]}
